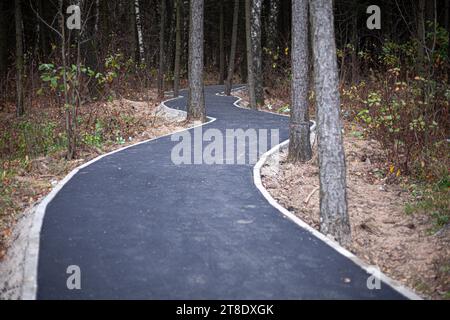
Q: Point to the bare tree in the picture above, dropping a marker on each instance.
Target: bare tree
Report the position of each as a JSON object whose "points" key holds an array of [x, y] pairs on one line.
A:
{"points": [[333, 195], [232, 59], [299, 135], [196, 100], [19, 59]]}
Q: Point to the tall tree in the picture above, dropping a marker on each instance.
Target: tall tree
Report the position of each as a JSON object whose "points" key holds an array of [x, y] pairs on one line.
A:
{"points": [[140, 36], [221, 45], [257, 50], [133, 31], [421, 37], [232, 58], [19, 59], [299, 135], [333, 195], [176, 73], [162, 30], [251, 77], [3, 39], [196, 100]]}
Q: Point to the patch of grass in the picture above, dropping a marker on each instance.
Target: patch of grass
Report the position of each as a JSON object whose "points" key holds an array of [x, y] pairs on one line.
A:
{"points": [[432, 200]]}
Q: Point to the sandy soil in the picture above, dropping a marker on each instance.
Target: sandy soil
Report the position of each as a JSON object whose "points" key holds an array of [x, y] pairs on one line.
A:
{"points": [[401, 245]]}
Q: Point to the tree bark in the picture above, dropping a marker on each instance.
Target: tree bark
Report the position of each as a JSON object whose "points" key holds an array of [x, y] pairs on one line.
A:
{"points": [[333, 195], [232, 59], [20, 110], [133, 35], [176, 76], [196, 100], [162, 31], [140, 36], [251, 78], [221, 46], [421, 37], [3, 40], [299, 134], [257, 50]]}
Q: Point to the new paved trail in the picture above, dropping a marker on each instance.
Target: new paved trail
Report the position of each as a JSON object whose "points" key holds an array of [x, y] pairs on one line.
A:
{"points": [[139, 226]]}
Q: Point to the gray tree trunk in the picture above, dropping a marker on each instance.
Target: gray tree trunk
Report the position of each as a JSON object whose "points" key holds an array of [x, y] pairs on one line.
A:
{"points": [[162, 31], [251, 77], [133, 35], [19, 59], [299, 135], [229, 81], [196, 100], [140, 36], [421, 37], [272, 24], [176, 77], [221, 45], [333, 195], [257, 50], [3, 40]]}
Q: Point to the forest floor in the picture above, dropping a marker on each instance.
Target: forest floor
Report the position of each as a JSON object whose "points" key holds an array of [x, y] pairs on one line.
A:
{"points": [[407, 247], [25, 180]]}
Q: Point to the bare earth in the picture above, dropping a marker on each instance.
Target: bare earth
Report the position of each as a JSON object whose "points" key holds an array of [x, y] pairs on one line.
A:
{"points": [[401, 245]]}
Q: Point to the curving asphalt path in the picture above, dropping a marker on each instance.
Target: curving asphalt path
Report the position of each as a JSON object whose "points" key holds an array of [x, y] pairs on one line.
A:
{"points": [[141, 227]]}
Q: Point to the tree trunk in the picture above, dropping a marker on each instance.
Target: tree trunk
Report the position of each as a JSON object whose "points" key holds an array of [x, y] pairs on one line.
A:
{"points": [[3, 40], [299, 135], [250, 60], [272, 25], [447, 25], [257, 50], [133, 32], [221, 46], [196, 100], [176, 73], [229, 81], [44, 45], [355, 62], [140, 36], [421, 37], [162, 31], [19, 59], [333, 195]]}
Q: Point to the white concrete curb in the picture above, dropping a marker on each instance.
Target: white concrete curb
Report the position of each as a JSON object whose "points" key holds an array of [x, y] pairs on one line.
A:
{"points": [[29, 286]]}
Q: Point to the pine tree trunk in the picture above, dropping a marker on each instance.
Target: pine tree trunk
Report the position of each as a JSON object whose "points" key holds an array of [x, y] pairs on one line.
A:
{"points": [[221, 46], [421, 37], [176, 77], [19, 59], [3, 40], [250, 59], [196, 100], [232, 59], [333, 195], [299, 134], [162, 31], [257, 51]]}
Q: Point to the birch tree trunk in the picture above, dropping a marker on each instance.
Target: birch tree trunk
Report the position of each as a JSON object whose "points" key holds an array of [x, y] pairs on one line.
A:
{"points": [[133, 35], [299, 135], [176, 73], [196, 100], [162, 31], [19, 59], [232, 59], [140, 36], [333, 195]]}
